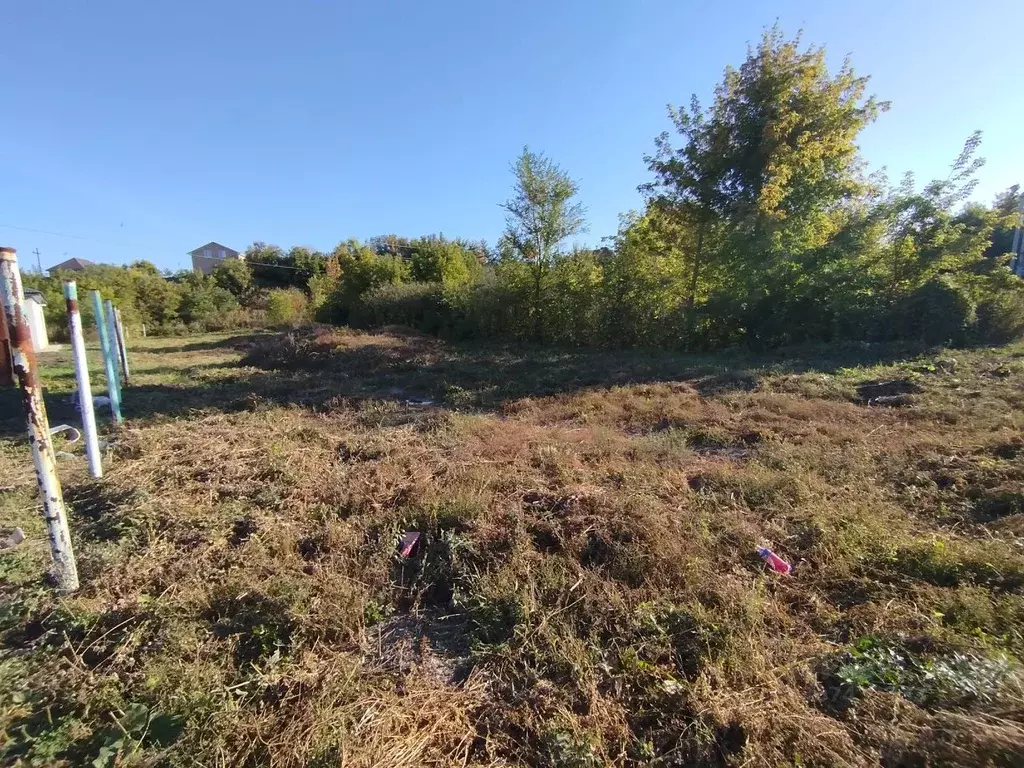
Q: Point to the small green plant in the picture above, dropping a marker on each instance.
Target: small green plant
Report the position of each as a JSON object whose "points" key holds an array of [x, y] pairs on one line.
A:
{"points": [[571, 750], [135, 727], [953, 679], [374, 612]]}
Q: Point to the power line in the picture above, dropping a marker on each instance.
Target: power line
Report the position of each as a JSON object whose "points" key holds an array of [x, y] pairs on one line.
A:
{"points": [[71, 237], [257, 263]]}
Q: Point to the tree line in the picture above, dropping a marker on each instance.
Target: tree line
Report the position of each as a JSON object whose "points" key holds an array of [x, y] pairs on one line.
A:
{"points": [[761, 225]]}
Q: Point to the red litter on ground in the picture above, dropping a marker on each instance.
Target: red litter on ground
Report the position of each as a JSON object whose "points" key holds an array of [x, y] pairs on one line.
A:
{"points": [[773, 561], [408, 543]]}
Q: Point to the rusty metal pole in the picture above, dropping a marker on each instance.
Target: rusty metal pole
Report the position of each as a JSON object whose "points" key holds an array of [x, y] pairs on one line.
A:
{"points": [[27, 372], [113, 385], [115, 346], [92, 446], [6, 366]]}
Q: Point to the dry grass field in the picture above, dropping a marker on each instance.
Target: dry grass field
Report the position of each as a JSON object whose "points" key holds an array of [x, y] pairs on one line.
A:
{"points": [[586, 591]]}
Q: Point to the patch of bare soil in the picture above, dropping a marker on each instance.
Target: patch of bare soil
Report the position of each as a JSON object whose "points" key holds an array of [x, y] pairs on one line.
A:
{"points": [[429, 644]]}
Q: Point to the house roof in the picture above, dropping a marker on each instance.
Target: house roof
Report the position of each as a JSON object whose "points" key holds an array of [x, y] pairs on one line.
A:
{"points": [[73, 264], [212, 244], [36, 296]]}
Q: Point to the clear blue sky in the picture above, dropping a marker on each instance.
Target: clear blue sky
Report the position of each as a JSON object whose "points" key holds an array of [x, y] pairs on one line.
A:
{"points": [[149, 128]]}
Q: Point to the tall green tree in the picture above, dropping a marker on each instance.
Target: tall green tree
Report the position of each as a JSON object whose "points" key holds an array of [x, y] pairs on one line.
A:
{"points": [[306, 263], [688, 191], [202, 298], [234, 276], [270, 265], [540, 216], [764, 176], [436, 259], [1008, 206]]}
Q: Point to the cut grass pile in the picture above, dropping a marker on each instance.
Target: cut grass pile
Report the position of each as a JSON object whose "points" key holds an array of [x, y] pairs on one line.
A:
{"points": [[587, 589]]}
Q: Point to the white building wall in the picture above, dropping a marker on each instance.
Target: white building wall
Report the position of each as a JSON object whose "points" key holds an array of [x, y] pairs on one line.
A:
{"points": [[36, 325], [207, 263]]}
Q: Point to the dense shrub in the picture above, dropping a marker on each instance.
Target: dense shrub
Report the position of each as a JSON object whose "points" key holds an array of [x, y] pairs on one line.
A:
{"points": [[286, 307], [1000, 318], [416, 305], [202, 299], [938, 312]]}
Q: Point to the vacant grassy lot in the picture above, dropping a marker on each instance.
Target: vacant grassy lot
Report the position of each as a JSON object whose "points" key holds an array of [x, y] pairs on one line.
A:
{"points": [[587, 590]]}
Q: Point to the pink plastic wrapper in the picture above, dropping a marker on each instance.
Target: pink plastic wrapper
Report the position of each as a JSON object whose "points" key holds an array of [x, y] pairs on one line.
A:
{"points": [[774, 562], [408, 543]]}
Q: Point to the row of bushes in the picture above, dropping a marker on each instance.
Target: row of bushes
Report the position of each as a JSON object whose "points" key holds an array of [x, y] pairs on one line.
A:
{"points": [[499, 307], [173, 304]]}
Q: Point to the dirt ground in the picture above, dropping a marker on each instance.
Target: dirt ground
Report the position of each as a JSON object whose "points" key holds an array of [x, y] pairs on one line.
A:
{"points": [[586, 589]]}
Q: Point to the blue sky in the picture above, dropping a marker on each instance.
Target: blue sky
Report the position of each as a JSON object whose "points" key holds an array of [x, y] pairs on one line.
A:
{"points": [[146, 129]]}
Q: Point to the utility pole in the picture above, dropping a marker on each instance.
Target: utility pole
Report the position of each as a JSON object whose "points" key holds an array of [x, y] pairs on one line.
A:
{"points": [[39, 262]]}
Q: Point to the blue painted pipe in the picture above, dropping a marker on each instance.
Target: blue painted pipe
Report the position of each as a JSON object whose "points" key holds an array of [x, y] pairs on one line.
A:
{"points": [[109, 358]]}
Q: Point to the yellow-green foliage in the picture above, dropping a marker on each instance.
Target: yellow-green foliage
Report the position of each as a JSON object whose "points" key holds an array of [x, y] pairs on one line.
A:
{"points": [[286, 306]]}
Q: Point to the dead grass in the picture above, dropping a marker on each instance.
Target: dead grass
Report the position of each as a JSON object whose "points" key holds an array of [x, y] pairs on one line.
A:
{"points": [[587, 591]]}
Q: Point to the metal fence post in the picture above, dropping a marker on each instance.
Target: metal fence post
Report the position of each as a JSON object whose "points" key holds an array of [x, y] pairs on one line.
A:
{"points": [[27, 371], [92, 447], [122, 343], [113, 385], [115, 346]]}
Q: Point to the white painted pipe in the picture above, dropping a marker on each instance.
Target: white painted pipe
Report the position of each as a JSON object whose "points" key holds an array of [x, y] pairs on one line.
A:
{"points": [[92, 446], [27, 372]]}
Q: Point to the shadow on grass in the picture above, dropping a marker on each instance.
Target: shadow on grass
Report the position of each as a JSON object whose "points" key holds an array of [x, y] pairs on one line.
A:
{"points": [[234, 341], [411, 369]]}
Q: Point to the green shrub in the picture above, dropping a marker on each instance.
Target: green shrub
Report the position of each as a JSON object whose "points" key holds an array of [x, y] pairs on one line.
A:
{"points": [[202, 299], [415, 305], [936, 313], [286, 306], [936, 679], [1001, 317]]}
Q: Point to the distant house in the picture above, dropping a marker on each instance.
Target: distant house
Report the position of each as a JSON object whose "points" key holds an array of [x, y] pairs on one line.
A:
{"points": [[34, 303], [71, 265], [207, 258]]}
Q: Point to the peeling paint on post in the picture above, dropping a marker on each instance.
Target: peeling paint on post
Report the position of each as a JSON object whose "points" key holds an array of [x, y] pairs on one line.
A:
{"points": [[92, 447], [27, 372], [113, 385], [6, 366], [122, 344]]}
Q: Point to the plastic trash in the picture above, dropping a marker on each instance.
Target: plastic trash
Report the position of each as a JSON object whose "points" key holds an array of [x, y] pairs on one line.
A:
{"points": [[71, 434], [98, 401], [773, 561], [408, 543]]}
